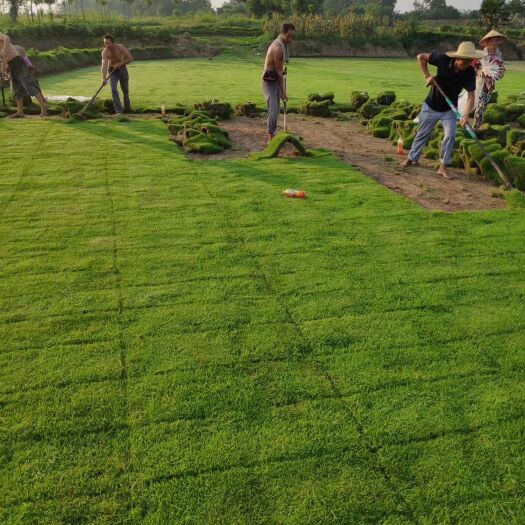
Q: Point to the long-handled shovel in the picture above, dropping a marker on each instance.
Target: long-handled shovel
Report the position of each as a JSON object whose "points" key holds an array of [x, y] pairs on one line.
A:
{"points": [[472, 133], [284, 102], [81, 112]]}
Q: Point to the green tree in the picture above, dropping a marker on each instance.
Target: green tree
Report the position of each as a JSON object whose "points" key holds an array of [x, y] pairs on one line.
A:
{"points": [[494, 12]]}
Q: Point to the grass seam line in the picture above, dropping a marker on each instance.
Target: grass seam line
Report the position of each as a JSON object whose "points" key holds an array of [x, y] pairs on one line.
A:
{"points": [[408, 511], [124, 485], [25, 170]]}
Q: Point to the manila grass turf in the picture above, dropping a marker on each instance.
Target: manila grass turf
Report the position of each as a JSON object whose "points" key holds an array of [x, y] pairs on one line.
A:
{"points": [[237, 79], [180, 344]]}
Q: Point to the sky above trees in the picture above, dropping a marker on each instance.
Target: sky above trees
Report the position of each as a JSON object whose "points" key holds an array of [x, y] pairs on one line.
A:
{"points": [[462, 5]]}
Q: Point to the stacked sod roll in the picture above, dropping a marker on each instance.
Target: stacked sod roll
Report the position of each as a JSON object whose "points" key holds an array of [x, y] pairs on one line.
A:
{"points": [[502, 133], [198, 132]]}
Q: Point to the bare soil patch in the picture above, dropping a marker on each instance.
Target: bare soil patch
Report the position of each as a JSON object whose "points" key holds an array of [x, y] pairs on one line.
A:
{"points": [[375, 157]]}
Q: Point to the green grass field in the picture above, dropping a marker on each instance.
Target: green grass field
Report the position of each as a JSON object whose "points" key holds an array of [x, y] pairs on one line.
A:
{"points": [[181, 344], [238, 79]]}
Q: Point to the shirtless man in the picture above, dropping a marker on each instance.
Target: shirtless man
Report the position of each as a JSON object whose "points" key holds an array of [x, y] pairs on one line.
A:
{"points": [[115, 58], [274, 86], [23, 82]]}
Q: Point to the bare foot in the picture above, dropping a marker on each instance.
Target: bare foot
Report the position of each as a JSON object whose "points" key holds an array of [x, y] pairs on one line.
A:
{"points": [[270, 136], [17, 115], [406, 164], [442, 170]]}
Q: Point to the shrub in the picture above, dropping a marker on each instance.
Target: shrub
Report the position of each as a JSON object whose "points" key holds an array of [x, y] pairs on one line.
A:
{"points": [[521, 120]]}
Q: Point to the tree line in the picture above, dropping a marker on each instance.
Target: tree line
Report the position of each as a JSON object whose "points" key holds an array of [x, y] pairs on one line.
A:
{"points": [[494, 13]]}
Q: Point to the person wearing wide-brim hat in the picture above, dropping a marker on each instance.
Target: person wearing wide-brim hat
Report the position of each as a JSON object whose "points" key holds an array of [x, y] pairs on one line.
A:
{"points": [[489, 70], [454, 73]]}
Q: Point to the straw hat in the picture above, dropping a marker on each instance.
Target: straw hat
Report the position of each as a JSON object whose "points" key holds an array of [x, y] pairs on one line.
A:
{"points": [[20, 50], [493, 34], [468, 51]]}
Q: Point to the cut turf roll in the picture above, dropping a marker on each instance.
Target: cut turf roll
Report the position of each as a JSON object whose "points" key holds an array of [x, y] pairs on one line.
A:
{"points": [[320, 97], [386, 98], [358, 98], [276, 144], [515, 168], [317, 109], [495, 114]]}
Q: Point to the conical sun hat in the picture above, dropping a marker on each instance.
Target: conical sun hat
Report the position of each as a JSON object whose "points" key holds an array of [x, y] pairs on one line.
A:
{"points": [[493, 34], [468, 51]]}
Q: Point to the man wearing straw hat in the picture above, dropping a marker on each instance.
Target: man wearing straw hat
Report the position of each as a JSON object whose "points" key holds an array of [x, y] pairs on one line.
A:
{"points": [[454, 73]]}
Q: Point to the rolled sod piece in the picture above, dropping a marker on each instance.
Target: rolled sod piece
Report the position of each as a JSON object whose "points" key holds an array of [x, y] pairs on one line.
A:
{"points": [[494, 131], [381, 132], [394, 113], [220, 110], [515, 168], [521, 120], [487, 170], [386, 98], [275, 145], [431, 153], [247, 109], [475, 151], [514, 111], [495, 114], [320, 97], [317, 109], [370, 109], [515, 198], [358, 98], [514, 136]]}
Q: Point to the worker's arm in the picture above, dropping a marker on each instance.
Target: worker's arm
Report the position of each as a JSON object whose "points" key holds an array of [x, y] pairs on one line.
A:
{"points": [[104, 69], [279, 68], [423, 60], [468, 108]]}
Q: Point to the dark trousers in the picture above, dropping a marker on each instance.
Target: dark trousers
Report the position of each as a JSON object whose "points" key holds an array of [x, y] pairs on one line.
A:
{"points": [[120, 75]]}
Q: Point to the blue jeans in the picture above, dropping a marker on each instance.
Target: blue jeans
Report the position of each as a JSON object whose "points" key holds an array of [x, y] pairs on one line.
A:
{"points": [[428, 118], [121, 75]]}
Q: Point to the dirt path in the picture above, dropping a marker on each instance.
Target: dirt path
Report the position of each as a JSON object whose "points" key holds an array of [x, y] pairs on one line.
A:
{"points": [[374, 157]]}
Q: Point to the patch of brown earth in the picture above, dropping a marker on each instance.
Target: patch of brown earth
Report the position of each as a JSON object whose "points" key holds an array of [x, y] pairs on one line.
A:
{"points": [[375, 157]]}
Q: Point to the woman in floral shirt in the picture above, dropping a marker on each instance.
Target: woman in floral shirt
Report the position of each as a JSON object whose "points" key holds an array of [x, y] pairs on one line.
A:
{"points": [[488, 71]]}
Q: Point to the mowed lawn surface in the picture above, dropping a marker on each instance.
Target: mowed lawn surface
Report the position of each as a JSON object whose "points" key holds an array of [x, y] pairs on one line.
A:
{"points": [[238, 79], [181, 344]]}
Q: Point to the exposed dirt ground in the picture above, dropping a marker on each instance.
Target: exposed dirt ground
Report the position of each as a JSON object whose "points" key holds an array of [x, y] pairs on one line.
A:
{"points": [[374, 157]]}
